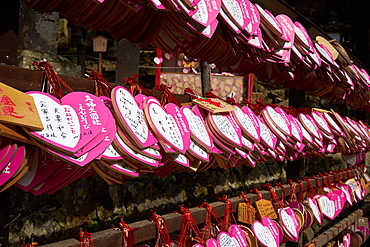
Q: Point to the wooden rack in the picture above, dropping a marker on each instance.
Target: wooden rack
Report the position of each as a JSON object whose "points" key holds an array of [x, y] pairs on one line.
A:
{"points": [[29, 80], [332, 232], [147, 229]]}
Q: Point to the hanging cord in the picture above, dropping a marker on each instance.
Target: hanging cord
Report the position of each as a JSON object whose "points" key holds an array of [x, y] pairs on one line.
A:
{"points": [[229, 218], [274, 196], [188, 226], [167, 96], [102, 86], [127, 232], [283, 196], [163, 237], [52, 83], [300, 191], [135, 87], [85, 239], [292, 194], [212, 221], [311, 190]]}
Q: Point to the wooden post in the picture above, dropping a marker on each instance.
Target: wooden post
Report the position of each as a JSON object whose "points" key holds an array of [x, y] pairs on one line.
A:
{"points": [[250, 81], [99, 63], [81, 57], [205, 76]]}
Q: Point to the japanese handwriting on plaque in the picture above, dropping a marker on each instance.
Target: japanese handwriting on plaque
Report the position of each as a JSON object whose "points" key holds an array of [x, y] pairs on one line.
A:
{"points": [[18, 108], [265, 209]]}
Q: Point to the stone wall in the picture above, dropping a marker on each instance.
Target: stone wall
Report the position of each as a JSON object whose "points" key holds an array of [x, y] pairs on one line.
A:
{"points": [[94, 205]]}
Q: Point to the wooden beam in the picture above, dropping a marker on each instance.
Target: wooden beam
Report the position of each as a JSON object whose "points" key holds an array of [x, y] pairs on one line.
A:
{"points": [[147, 229]]}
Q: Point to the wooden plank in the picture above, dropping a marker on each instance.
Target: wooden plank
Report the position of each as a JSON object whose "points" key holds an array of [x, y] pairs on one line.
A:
{"points": [[333, 231], [30, 80]]}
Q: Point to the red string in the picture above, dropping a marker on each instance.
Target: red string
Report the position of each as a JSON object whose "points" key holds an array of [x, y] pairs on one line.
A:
{"points": [[188, 226], [157, 80], [283, 196], [102, 86], [311, 190], [163, 237], [300, 191], [128, 233], [135, 87], [191, 93], [210, 94], [52, 80], [85, 239], [243, 195], [318, 183], [259, 195], [292, 194], [167, 96], [212, 220], [324, 180], [274, 195], [228, 219]]}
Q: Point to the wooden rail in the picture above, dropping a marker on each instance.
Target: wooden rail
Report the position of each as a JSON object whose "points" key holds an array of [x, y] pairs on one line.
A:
{"points": [[31, 80], [332, 232], [147, 229]]}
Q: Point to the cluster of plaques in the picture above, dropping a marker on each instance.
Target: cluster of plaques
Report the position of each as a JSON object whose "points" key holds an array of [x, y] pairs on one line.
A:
{"points": [[274, 225], [125, 135], [239, 35]]}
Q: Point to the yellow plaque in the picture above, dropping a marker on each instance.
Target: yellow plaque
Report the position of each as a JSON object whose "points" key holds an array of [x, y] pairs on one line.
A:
{"points": [[18, 108]]}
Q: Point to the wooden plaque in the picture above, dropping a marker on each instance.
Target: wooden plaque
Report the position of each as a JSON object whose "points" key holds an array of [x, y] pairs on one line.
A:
{"points": [[18, 108], [265, 209], [246, 213], [214, 105]]}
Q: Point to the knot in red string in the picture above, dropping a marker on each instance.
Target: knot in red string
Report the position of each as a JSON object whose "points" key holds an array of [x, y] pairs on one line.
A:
{"points": [[311, 190], [85, 239], [127, 232], [281, 186], [274, 195], [317, 182], [191, 93], [292, 194], [135, 87], [52, 83], [259, 195], [228, 219], [102, 86], [188, 226], [243, 195], [163, 237], [212, 219], [210, 94], [301, 189], [231, 101]]}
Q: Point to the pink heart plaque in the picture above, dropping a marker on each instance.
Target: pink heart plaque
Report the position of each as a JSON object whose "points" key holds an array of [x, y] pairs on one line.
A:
{"points": [[197, 127], [264, 234], [62, 124], [131, 118], [164, 125], [14, 164]]}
